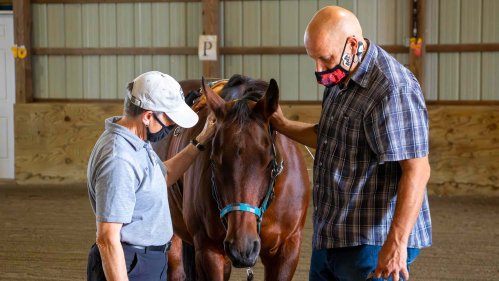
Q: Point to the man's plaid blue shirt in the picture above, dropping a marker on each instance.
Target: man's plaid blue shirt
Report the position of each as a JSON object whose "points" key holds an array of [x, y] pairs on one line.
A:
{"points": [[377, 119]]}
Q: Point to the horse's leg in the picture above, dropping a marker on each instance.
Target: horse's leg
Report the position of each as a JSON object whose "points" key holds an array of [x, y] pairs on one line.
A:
{"points": [[175, 265], [282, 265], [210, 265]]}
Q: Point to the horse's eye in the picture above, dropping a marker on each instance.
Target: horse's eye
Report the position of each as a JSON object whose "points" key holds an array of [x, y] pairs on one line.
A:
{"points": [[270, 164]]}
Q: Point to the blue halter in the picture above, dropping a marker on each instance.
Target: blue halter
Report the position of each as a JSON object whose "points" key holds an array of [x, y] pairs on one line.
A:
{"points": [[269, 197]]}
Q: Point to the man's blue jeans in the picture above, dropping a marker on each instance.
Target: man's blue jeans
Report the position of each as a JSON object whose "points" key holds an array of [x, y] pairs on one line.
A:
{"points": [[349, 264]]}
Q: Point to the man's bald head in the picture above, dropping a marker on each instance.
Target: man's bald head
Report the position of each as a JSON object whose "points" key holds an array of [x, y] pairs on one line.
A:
{"points": [[333, 22], [327, 32]]}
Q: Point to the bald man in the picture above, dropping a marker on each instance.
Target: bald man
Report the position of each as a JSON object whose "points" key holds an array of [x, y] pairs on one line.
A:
{"points": [[371, 167]]}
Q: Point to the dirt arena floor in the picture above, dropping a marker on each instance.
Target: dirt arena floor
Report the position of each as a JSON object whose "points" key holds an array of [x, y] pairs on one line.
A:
{"points": [[46, 233]]}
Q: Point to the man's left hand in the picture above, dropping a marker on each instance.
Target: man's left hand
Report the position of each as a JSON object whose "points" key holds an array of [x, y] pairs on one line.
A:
{"points": [[392, 260]]}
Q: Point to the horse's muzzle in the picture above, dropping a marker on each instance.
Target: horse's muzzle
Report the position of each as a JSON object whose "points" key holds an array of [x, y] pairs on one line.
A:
{"points": [[245, 255]]}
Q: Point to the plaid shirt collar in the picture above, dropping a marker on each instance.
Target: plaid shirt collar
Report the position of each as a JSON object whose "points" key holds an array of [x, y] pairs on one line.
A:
{"points": [[361, 75]]}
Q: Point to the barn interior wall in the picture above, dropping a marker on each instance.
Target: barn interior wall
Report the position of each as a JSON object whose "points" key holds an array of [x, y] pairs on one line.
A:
{"points": [[462, 76], [450, 76], [283, 23], [90, 25], [54, 142]]}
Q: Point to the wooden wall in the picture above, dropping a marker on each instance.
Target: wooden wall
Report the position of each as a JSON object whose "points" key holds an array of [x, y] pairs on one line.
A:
{"points": [[175, 24], [283, 23], [242, 23], [462, 76], [54, 142]]}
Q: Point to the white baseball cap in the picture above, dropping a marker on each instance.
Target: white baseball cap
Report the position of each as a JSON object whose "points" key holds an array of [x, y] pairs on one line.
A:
{"points": [[157, 91]]}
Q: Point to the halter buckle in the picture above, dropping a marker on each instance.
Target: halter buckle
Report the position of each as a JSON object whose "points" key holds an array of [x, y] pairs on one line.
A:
{"points": [[176, 131], [249, 274]]}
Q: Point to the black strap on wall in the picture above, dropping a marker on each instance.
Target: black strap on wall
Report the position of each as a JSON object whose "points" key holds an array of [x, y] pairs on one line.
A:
{"points": [[415, 18]]}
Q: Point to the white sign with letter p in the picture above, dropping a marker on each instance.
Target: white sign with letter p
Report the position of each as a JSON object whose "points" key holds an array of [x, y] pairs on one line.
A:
{"points": [[207, 48]]}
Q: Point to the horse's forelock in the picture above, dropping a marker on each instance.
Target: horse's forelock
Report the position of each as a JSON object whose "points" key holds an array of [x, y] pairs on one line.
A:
{"points": [[239, 86], [244, 89]]}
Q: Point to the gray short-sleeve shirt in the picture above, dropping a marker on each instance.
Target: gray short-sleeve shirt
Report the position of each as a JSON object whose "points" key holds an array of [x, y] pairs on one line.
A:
{"points": [[126, 184]]}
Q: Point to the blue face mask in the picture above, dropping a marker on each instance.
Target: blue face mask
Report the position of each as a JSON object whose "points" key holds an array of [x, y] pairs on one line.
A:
{"points": [[161, 134]]}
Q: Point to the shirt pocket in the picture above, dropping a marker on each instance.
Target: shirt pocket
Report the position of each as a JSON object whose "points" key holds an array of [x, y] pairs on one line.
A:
{"points": [[325, 150], [342, 128], [354, 139], [351, 148]]}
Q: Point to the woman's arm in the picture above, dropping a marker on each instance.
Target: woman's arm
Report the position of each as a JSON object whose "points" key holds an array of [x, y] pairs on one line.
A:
{"points": [[177, 166], [111, 251]]}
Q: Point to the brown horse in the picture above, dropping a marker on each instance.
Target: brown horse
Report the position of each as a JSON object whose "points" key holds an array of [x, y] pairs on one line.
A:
{"points": [[238, 167]]}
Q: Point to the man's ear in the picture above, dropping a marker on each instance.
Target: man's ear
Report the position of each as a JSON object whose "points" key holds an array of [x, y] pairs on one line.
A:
{"points": [[268, 104], [216, 103], [353, 44]]}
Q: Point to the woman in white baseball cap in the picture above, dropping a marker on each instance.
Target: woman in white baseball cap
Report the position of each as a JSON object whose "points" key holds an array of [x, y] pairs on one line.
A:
{"points": [[127, 182]]}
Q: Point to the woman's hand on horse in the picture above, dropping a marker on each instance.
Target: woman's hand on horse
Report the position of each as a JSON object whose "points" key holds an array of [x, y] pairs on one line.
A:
{"points": [[209, 130]]}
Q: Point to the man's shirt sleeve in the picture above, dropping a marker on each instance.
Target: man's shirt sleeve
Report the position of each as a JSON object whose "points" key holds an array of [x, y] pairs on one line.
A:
{"points": [[115, 191], [397, 127]]}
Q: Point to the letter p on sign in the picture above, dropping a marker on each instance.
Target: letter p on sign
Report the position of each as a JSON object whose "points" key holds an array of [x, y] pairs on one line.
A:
{"points": [[207, 48]]}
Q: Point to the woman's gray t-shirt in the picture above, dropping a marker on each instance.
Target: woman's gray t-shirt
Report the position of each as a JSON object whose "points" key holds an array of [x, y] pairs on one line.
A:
{"points": [[126, 184]]}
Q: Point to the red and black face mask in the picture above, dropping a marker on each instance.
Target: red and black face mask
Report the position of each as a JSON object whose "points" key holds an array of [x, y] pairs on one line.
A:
{"points": [[337, 74]]}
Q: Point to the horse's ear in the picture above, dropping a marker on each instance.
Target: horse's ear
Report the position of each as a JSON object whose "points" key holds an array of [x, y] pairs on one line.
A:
{"points": [[268, 104], [216, 103]]}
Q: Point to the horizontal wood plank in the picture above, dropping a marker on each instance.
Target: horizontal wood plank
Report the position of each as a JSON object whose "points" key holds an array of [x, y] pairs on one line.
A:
{"points": [[461, 102], [186, 50], [117, 51], [120, 101], [442, 48], [68, 101], [166, 51], [461, 48], [107, 1], [290, 103], [262, 50], [120, 1]]}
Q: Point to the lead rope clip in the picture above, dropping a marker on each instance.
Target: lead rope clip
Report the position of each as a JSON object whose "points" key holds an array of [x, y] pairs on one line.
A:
{"points": [[249, 273]]}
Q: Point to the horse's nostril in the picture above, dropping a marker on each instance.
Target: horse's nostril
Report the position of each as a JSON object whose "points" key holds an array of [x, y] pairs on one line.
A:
{"points": [[230, 250], [256, 246], [254, 249], [243, 254]]}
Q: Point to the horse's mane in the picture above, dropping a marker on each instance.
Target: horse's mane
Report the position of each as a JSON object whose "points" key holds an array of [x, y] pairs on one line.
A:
{"points": [[243, 89]]}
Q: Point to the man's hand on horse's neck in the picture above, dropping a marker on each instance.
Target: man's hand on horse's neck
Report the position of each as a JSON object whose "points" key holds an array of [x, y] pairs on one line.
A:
{"points": [[298, 131]]}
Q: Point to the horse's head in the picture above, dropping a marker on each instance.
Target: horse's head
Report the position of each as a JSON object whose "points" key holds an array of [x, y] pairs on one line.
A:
{"points": [[242, 158]]}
